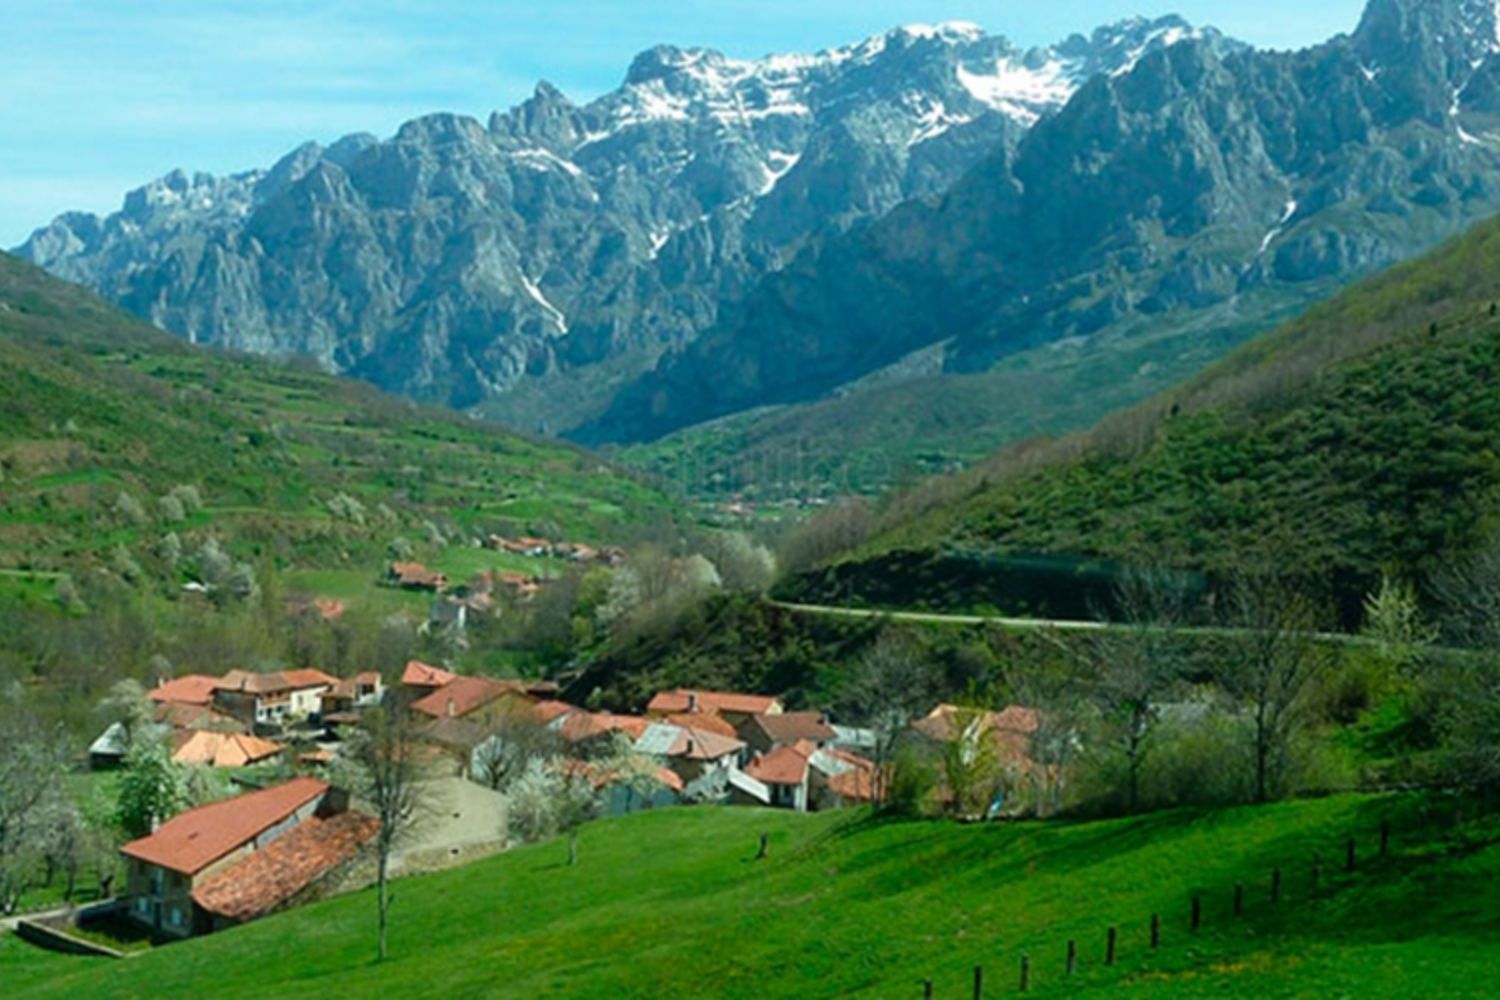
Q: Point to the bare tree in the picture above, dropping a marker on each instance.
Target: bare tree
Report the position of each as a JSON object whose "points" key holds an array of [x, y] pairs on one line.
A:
{"points": [[550, 798], [1276, 656], [1133, 665], [30, 763], [383, 749], [516, 741], [891, 686]]}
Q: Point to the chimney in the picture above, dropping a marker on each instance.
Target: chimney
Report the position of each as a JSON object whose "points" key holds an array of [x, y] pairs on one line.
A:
{"points": [[692, 701], [689, 750], [452, 708]]}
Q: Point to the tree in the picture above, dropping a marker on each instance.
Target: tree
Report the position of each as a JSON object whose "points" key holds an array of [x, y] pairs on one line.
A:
{"points": [[518, 739], [742, 564], [1132, 665], [1276, 656], [1469, 682], [127, 703], [891, 686], [1394, 622], [30, 765], [151, 787], [971, 763], [551, 797], [383, 751]]}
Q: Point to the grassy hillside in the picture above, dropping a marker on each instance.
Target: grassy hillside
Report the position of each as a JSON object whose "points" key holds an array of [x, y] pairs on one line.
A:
{"points": [[93, 403], [1358, 437], [310, 481], [671, 904]]}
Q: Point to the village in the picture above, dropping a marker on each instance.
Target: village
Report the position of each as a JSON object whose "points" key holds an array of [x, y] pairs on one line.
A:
{"points": [[294, 832]]}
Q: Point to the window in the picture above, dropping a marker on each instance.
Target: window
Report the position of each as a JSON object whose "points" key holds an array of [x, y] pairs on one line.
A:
{"points": [[176, 918]]}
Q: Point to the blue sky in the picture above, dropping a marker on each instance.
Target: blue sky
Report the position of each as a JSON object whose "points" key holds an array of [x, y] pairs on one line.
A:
{"points": [[102, 95]]}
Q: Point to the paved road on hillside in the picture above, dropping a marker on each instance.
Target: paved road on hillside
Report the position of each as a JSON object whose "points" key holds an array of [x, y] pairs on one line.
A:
{"points": [[1053, 624]]}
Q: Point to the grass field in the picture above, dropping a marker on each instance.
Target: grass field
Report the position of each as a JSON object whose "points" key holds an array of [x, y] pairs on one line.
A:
{"points": [[672, 904]]}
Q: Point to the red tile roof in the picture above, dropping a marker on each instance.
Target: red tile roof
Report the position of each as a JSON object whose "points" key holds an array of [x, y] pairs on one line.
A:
{"points": [[419, 674], [194, 689], [272, 876], [225, 749], [463, 695], [789, 727], [783, 766], [182, 715], [252, 682], [549, 711], [631, 725], [686, 700], [191, 841], [706, 721], [697, 744], [307, 677], [856, 784]]}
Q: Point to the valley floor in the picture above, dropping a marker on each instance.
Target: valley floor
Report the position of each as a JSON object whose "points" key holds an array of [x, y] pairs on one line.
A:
{"points": [[673, 904]]}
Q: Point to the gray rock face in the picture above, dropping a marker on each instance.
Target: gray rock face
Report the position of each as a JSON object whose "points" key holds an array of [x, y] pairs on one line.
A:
{"points": [[569, 247], [1205, 172]]}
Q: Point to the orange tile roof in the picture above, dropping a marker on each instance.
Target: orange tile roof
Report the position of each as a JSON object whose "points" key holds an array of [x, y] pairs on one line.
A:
{"points": [[194, 689], [789, 727], [706, 721], [687, 700], [549, 711], [224, 749], [419, 674], [183, 715], [308, 677], [463, 695], [698, 744], [277, 872], [632, 725], [253, 682], [783, 766], [670, 778], [191, 841], [856, 784]]}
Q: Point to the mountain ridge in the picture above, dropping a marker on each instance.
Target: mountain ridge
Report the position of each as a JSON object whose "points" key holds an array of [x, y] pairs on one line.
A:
{"points": [[460, 261]]}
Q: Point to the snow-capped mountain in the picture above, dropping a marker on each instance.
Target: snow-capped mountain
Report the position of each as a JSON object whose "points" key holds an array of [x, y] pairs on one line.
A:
{"points": [[1206, 190], [530, 264]]}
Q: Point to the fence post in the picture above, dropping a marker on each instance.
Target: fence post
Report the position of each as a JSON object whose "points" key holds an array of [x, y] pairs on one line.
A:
{"points": [[1025, 973], [927, 989], [1109, 948], [1349, 854], [978, 982], [1239, 898], [1072, 956], [1276, 885], [1155, 931], [1197, 920]]}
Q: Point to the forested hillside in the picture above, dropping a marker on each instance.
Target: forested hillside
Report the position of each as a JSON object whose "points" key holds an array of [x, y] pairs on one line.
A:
{"points": [[1356, 439]]}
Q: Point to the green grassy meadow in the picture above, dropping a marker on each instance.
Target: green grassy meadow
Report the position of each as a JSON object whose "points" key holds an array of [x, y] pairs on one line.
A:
{"points": [[672, 904]]}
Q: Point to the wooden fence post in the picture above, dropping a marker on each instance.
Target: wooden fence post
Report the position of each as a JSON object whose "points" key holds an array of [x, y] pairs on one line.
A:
{"points": [[1025, 973], [1155, 931], [765, 846], [927, 989], [1109, 947], [1349, 854], [1072, 956], [1239, 898], [1276, 885], [1197, 920], [978, 982]]}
